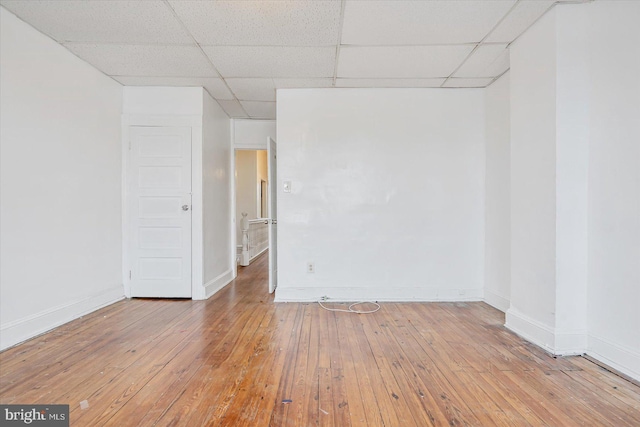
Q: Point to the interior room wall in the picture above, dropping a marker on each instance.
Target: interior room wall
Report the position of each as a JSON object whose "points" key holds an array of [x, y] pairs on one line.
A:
{"points": [[246, 188], [217, 181], [253, 134], [387, 194], [497, 270], [60, 213], [588, 93], [614, 185], [212, 222], [572, 162], [533, 180], [262, 175]]}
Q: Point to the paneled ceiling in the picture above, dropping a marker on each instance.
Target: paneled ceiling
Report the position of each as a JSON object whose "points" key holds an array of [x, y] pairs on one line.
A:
{"points": [[242, 51]]}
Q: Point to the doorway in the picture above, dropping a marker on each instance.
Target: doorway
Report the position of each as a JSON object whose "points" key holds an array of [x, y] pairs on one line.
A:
{"points": [[254, 207]]}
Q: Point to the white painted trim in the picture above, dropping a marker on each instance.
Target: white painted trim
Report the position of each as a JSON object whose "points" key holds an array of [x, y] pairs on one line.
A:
{"points": [[497, 301], [289, 294], [530, 329], [256, 147], [126, 267], [197, 214], [216, 284], [258, 254], [556, 341], [20, 330], [232, 207], [570, 342], [619, 357]]}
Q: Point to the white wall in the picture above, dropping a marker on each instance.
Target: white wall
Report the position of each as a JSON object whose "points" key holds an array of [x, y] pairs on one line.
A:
{"points": [[572, 162], [246, 189], [164, 101], [262, 175], [60, 179], [212, 222], [387, 194], [497, 272], [253, 134], [575, 103], [533, 178], [614, 186], [219, 254]]}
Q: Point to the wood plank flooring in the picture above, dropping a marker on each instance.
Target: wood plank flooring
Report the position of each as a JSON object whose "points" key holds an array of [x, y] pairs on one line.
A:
{"points": [[239, 359]]}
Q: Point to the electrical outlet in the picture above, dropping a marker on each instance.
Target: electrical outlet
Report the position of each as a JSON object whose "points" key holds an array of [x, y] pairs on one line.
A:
{"points": [[311, 267], [324, 298]]}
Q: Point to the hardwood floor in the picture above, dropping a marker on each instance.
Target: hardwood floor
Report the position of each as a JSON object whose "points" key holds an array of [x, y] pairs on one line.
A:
{"points": [[239, 359]]}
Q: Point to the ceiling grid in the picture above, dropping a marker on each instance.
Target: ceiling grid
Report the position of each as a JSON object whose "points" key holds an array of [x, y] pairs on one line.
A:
{"points": [[241, 52]]}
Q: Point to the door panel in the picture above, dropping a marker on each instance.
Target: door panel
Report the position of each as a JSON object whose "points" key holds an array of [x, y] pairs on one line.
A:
{"points": [[159, 189]]}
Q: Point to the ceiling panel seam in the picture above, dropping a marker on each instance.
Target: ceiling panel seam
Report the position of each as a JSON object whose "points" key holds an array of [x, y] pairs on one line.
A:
{"points": [[339, 43], [483, 39], [166, 2]]}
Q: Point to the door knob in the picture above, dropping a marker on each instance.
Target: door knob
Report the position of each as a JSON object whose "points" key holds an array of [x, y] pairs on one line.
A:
{"points": [[185, 207]]}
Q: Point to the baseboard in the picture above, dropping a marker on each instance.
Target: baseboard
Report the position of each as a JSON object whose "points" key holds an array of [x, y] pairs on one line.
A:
{"points": [[214, 285], [556, 341], [289, 294], [20, 330], [570, 343], [620, 358], [497, 301], [258, 254], [530, 329]]}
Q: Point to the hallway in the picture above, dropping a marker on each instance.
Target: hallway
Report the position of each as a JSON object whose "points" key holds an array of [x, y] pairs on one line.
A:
{"points": [[240, 359]]}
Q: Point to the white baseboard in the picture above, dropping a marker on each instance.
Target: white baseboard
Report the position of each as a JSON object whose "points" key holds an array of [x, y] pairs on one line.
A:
{"points": [[570, 343], [289, 294], [214, 285], [530, 329], [621, 358], [556, 341], [497, 301], [20, 330], [258, 254]]}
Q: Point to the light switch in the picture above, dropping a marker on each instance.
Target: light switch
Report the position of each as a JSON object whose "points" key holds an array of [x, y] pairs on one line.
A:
{"points": [[287, 186]]}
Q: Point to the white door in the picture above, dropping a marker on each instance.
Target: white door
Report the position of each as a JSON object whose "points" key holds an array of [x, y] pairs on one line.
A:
{"points": [[159, 207], [273, 215]]}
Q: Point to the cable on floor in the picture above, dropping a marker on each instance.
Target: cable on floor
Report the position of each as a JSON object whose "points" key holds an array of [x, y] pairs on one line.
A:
{"points": [[351, 310]]}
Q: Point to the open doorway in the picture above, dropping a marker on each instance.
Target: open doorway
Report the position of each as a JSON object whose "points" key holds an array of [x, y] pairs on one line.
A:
{"points": [[256, 207], [252, 201]]}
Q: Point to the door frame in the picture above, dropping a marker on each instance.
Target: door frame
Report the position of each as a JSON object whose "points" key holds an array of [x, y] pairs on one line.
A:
{"points": [[234, 211], [234, 199], [197, 232]]}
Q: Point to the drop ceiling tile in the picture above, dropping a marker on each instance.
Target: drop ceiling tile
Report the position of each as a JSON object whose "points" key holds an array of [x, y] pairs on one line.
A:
{"points": [[271, 61], [303, 83], [215, 86], [144, 60], [253, 89], [420, 22], [233, 109], [455, 82], [261, 23], [481, 63], [129, 22], [260, 110], [519, 19], [389, 82], [400, 61]]}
